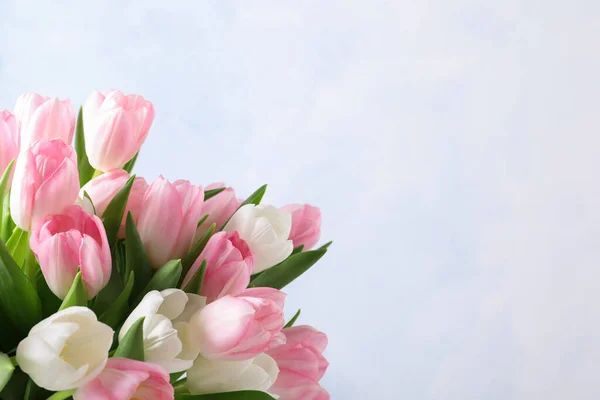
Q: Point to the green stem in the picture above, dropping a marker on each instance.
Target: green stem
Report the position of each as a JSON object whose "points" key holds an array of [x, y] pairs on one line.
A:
{"points": [[97, 173], [13, 361], [62, 395]]}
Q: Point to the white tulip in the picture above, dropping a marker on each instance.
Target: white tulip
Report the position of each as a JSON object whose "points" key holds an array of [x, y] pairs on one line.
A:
{"points": [[214, 376], [6, 370], [166, 334], [65, 350], [266, 230]]}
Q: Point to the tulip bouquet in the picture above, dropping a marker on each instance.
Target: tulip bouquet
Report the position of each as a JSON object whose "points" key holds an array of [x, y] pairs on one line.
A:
{"points": [[113, 288]]}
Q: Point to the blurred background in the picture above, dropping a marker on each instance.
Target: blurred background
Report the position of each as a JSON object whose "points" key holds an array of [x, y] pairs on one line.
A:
{"points": [[451, 145]]}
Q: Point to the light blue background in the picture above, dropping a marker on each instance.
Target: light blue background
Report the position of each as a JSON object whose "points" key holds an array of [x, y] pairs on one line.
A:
{"points": [[451, 145]]}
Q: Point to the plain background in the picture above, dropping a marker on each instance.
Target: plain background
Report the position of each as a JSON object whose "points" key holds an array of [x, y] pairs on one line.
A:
{"points": [[451, 145]]}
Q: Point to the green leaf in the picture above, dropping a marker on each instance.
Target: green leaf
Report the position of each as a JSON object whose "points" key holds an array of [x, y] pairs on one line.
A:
{"points": [[18, 297], [5, 178], [202, 221], [76, 296], [293, 320], [137, 260], [212, 193], [30, 266], [175, 376], [131, 163], [132, 345], [284, 273], [50, 302], [113, 316], [255, 198], [115, 284], [166, 277], [192, 256], [113, 215], [7, 224], [298, 249], [325, 246], [86, 171], [195, 284], [4, 189], [18, 245], [87, 196], [241, 395]]}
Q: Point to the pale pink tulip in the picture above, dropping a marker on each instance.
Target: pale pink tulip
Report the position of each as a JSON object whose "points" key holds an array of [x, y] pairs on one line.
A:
{"points": [[103, 189], [219, 208], [306, 224], [229, 264], [292, 386], [240, 328], [301, 364], [70, 240], [168, 219], [45, 182], [115, 127], [126, 379], [41, 117], [9, 140]]}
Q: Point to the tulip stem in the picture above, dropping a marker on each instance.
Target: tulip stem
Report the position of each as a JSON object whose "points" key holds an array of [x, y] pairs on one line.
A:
{"points": [[62, 395], [13, 361], [97, 173]]}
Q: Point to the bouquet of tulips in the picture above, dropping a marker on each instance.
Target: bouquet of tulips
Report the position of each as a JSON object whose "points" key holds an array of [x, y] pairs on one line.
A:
{"points": [[113, 288]]}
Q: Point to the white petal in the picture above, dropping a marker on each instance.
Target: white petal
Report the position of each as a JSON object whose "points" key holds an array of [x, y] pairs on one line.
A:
{"points": [[173, 304], [148, 307]]}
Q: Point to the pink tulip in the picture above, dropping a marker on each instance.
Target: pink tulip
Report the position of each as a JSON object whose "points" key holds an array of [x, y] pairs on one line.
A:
{"points": [[168, 219], [126, 379], [45, 182], [115, 127], [306, 224], [103, 189], [301, 364], [291, 386], [41, 117], [9, 140], [229, 264], [219, 208], [66, 241], [240, 328]]}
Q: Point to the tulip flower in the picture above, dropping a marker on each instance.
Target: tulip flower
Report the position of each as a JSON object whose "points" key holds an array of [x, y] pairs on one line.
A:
{"points": [[219, 208], [301, 364], [229, 264], [103, 189], [45, 182], [65, 350], [241, 327], [6, 370], [68, 241], [115, 127], [266, 229], [306, 224], [168, 219], [214, 376], [125, 379], [9, 140], [167, 339], [41, 117]]}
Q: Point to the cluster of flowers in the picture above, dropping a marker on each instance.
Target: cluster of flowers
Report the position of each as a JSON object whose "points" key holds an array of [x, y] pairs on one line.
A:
{"points": [[113, 288]]}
